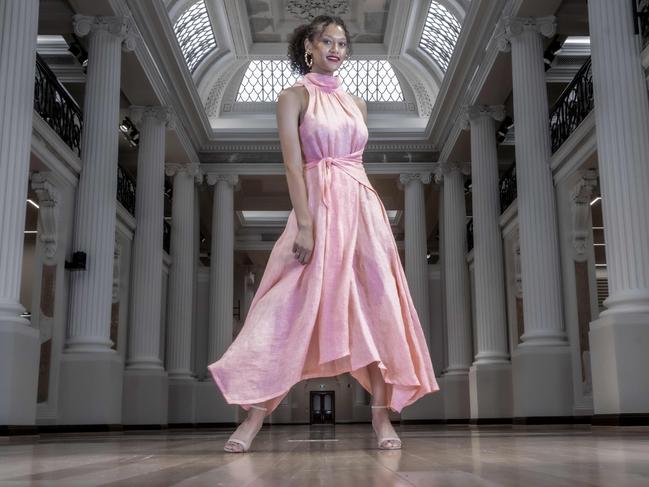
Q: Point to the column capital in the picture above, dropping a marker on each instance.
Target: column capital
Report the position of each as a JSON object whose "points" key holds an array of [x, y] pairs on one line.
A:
{"points": [[161, 114], [120, 26], [511, 27], [194, 170], [444, 168], [581, 196], [231, 179], [407, 177], [473, 113], [48, 199]]}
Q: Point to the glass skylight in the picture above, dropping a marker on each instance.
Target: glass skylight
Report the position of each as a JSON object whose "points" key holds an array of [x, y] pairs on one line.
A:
{"points": [[372, 80], [194, 33], [440, 34], [264, 79]]}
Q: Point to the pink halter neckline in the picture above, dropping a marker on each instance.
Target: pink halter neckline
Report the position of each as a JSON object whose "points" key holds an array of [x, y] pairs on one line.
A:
{"points": [[324, 81]]}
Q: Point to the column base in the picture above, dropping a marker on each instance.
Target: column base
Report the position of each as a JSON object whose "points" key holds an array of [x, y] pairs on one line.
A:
{"points": [[490, 390], [19, 359], [211, 407], [182, 400], [542, 381], [145, 399], [619, 356], [91, 388], [455, 391]]}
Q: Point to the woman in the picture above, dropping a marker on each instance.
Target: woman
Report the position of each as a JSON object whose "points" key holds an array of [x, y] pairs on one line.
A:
{"points": [[333, 297]]}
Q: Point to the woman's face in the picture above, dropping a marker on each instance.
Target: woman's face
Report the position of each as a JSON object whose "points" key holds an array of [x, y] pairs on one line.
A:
{"points": [[329, 49]]}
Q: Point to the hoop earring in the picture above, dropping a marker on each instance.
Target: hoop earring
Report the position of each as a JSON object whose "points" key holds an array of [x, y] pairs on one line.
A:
{"points": [[308, 61]]}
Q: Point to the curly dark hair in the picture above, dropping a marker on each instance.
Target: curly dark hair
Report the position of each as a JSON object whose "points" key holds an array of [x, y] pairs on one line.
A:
{"points": [[296, 40]]}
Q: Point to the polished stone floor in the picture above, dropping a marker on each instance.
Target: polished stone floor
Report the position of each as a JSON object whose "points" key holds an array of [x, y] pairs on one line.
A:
{"points": [[340, 456]]}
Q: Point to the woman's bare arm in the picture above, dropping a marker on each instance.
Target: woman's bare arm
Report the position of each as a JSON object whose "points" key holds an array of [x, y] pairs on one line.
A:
{"points": [[288, 112], [289, 105]]}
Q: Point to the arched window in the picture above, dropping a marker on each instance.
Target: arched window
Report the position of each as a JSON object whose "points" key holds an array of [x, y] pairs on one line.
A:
{"points": [[440, 34], [194, 33], [372, 80]]}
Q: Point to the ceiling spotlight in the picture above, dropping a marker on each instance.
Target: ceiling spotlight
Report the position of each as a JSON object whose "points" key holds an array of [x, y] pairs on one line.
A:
{"points": [[129, 131]]}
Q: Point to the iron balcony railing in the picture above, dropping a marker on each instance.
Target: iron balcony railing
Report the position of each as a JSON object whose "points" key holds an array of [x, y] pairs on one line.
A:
{"points": [[126, 190], [572, 107], [57, 107], [508, 188]]}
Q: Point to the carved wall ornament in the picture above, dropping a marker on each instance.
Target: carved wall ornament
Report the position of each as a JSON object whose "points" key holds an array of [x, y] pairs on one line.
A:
{"points": [[518, 273], [48, 213], [117, 259], [581, 197]]}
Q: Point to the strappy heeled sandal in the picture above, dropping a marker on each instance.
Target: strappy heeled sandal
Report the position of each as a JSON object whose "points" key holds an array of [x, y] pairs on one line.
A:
{"points": [[383, 441], [244, 445]]}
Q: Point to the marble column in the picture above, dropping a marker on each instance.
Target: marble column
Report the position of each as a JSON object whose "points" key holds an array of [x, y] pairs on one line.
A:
{"points": [[219, 333], [415, 245], [221, 264], [145, 380], [541, 363], [19, 342], [456, 277], [197, 345], [619, 337], [91, 373], [181, 293], [490, 375]]}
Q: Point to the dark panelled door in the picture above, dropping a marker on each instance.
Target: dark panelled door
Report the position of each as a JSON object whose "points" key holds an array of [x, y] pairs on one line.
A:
{"points": [[323, 409]]}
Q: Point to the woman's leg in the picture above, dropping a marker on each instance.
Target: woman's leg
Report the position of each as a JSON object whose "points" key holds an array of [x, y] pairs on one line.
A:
{"points": [[380, 416], [248, 428]]}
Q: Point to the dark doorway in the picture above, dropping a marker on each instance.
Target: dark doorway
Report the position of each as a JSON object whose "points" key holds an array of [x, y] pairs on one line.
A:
{"points": [[323, 409]]}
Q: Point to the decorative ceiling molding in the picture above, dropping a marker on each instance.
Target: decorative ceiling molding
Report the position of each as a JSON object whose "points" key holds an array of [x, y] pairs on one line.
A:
{"points": [[162, 59], [309, 9], [469, 58]]}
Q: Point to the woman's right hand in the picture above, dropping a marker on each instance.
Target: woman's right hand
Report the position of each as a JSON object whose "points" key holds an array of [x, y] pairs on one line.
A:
{"points": [[303, 244]]}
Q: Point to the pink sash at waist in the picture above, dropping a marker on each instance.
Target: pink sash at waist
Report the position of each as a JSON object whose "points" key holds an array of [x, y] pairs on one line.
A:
{"points": [[351, 164]]}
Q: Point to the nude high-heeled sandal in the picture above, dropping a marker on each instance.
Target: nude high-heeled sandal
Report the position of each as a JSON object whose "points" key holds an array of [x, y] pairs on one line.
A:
{"points": [[383, 442], [244, 445]]}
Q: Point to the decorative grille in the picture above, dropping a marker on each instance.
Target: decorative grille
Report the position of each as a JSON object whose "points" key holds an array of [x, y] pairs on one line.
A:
{"points": [[264, 79], [440, 34], [194, 33], [372, 80]]}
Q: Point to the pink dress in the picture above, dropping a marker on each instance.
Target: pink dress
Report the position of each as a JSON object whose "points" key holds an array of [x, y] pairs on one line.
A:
{"points": [[349, 305]]}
